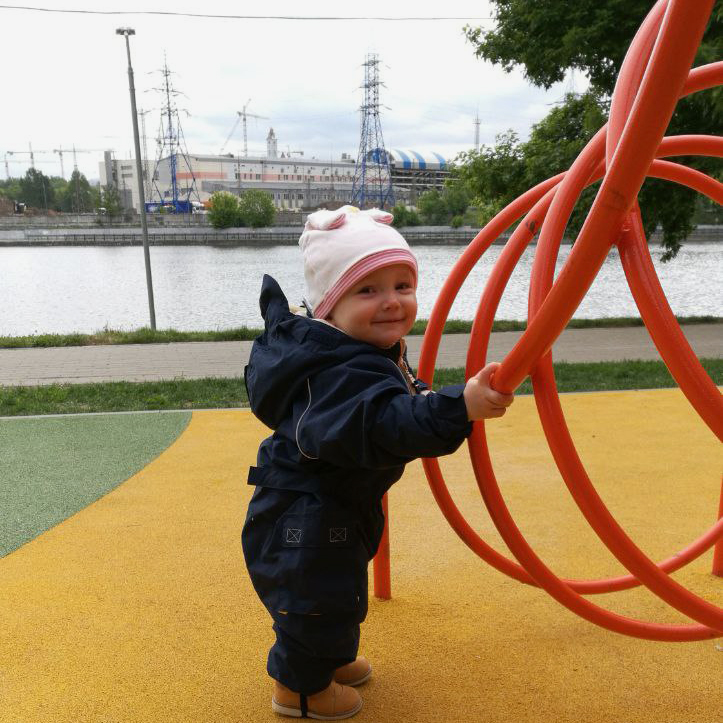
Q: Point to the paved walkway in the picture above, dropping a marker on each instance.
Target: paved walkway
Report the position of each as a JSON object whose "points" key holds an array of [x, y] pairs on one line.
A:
{"points": [[196, 360]]}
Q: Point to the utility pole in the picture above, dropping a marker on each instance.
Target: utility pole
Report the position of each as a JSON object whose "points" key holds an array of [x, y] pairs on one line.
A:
{"points": [[146, 175], [126, 32], [476, 132]]}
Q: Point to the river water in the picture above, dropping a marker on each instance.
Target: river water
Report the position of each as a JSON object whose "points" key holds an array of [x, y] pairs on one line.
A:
{"points": [[84, 289]]}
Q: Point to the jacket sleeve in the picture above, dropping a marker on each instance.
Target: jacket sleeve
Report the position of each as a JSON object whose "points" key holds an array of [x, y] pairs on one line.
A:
{"points": [[361, 414]]}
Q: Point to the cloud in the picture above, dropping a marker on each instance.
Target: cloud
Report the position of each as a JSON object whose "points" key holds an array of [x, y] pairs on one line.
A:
{"points": [[69, 85]]}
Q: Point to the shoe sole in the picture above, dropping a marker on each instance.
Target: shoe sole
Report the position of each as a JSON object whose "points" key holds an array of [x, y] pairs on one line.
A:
{"points": [[296, 712]]}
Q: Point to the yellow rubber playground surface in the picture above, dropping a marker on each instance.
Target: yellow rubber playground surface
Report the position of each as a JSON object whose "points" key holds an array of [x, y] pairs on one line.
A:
{"points": [[138, 608]]}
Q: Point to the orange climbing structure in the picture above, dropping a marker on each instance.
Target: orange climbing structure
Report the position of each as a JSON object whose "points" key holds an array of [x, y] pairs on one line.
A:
{"points": [[654, 75]]}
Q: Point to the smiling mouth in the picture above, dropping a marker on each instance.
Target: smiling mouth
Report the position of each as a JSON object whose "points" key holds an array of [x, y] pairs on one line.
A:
{"points": [[389, 321]]}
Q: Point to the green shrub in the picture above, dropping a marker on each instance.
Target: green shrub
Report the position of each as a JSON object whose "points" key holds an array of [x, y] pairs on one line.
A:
{"points": [[224, 211], [256, 209], [404, 216], [400, 215]]}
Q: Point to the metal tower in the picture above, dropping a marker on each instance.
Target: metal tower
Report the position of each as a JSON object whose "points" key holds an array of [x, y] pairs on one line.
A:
{"points": [[172, 145], [372, 185]]}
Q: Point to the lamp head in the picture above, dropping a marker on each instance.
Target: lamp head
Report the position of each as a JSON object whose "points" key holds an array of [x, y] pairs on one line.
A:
{"points": [[125, 31]]}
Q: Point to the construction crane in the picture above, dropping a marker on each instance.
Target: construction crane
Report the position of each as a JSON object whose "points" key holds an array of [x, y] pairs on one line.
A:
{"points": [[242, 116], [30, 152], [60, 152], [85, 150]]}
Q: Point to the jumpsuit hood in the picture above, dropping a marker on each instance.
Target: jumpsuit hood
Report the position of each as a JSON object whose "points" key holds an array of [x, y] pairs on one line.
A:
{"points": [[283, 359]]}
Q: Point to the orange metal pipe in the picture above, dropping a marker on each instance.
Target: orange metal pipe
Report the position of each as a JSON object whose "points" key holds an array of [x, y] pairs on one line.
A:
{"points": [[476, 359], [543, 378], [382, 560], [718, 549], [664, 329], [499, 511]]}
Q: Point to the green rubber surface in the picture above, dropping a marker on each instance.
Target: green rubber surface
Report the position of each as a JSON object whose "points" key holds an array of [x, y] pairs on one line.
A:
{"points": [[52, 468]]}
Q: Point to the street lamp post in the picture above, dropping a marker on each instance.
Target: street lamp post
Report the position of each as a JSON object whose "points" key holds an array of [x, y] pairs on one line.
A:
{"points": [[126, 32]]}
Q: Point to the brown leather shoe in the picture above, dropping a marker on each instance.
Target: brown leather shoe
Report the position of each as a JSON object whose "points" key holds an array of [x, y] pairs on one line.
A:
{"points": [[354, 673], [333, 703]]}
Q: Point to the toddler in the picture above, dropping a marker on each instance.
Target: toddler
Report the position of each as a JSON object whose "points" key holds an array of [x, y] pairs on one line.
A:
{"points": [[347, 414]]}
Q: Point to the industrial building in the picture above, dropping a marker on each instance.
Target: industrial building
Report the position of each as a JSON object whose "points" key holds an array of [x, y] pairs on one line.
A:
{"points": [[293, 180]]}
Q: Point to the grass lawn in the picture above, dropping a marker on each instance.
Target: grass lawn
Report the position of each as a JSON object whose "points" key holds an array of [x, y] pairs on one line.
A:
{"points": [[243, 333], [224, 393]]}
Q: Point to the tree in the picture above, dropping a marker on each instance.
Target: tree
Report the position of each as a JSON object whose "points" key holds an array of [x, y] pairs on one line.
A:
{"points": [[36, 189], [438, 208], [224, 210], [256, 208], [456, 199], [548, 39], [499, 173], [432, 208], [494, 173], [76, 196], [10, 188], [109, 199], [557, 140]]}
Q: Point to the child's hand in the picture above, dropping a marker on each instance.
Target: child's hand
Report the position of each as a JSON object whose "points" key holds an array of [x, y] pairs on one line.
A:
{"points": [[482, 401]]}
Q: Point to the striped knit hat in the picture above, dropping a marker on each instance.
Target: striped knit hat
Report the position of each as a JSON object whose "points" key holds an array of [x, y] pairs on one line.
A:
{"points": [[342, 247]]}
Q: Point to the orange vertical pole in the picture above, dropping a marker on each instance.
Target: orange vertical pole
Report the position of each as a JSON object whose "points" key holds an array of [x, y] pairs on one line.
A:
{"points": [[718, 549], [382, 566]]}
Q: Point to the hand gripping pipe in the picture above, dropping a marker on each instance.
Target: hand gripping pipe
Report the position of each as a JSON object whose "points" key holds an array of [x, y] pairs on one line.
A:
{"points": [[655, 73]]}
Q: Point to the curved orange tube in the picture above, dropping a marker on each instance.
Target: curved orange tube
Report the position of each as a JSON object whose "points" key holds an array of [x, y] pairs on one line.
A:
{"points": [[652, 77]]}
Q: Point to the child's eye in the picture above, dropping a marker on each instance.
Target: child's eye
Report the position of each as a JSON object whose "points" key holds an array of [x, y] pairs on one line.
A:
{"points": [[403, 286], [365, 290]]}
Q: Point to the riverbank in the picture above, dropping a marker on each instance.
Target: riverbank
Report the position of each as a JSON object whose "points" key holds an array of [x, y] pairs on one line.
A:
{"points": [[207, 236], [200, 235]]}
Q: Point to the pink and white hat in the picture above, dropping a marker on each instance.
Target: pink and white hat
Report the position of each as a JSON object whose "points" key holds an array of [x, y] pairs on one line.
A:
{"points": [[341, 247]]}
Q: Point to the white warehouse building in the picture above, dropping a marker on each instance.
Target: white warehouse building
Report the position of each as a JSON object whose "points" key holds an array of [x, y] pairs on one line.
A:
{"points": [[293, 181]]}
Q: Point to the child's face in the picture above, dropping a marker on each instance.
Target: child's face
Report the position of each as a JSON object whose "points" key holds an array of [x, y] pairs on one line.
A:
{"points": [[380, 309]]}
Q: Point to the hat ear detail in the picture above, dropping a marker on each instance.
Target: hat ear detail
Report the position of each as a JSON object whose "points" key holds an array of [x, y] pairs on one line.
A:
{"points": [[324, 220], [380, 216]]}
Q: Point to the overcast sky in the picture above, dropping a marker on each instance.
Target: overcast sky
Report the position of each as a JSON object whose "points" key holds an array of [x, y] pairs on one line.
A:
{"points": [[65, 78]]}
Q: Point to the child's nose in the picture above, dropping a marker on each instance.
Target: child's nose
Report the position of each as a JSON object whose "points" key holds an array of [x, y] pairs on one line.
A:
{"points": [[391, 300]]}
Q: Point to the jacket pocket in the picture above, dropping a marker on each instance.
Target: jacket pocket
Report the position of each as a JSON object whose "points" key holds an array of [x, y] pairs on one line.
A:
{"points": [[322, 564]]}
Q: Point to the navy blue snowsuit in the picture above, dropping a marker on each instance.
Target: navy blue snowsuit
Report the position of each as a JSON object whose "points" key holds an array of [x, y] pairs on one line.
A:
{"points": [[346, 419]]}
